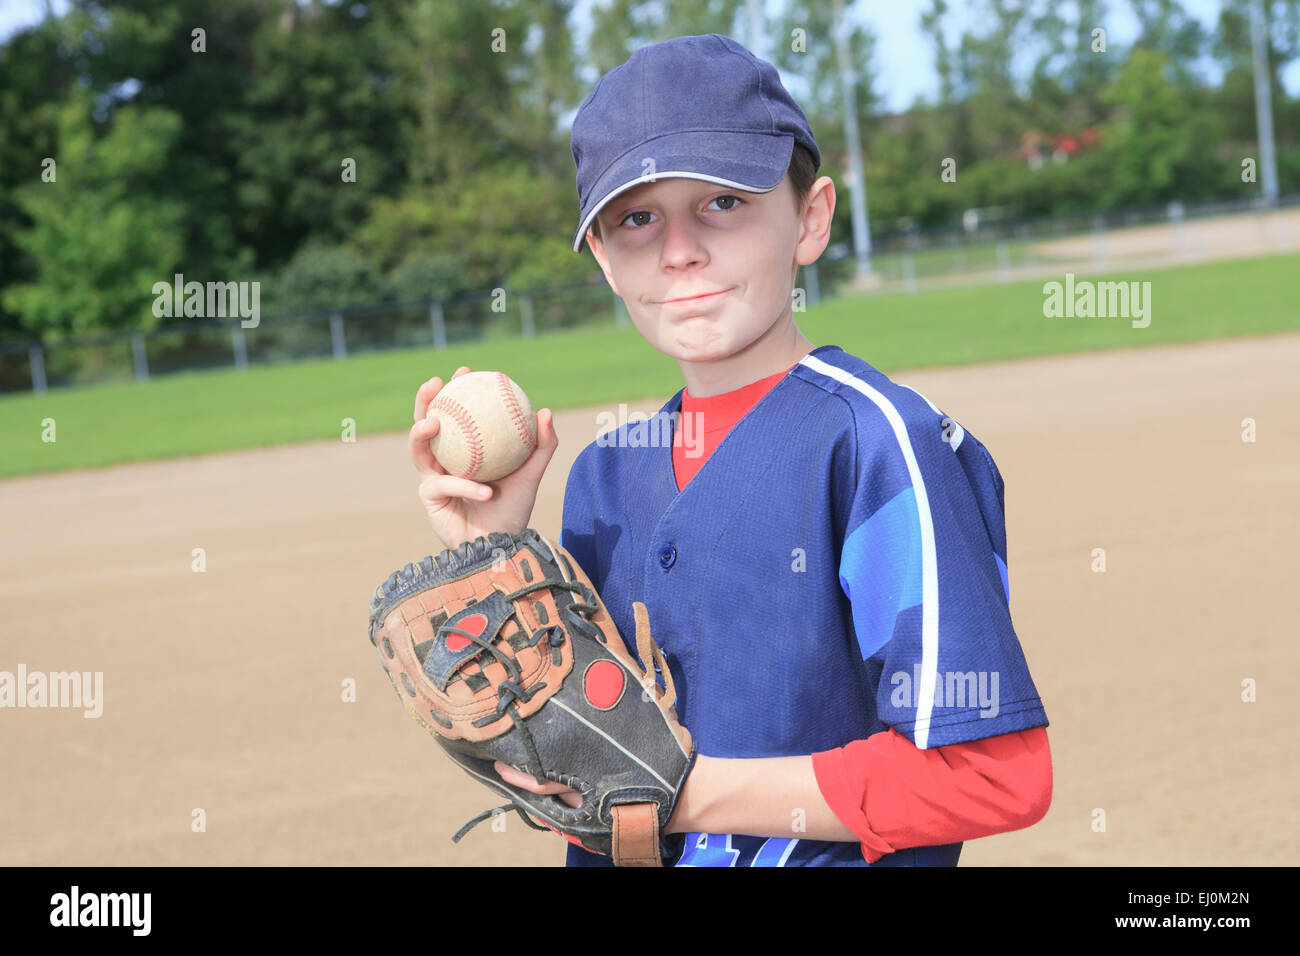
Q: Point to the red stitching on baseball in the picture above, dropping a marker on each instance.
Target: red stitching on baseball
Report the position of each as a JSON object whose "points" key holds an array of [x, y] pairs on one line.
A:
{"points": [[473, 440], [515, 409]]}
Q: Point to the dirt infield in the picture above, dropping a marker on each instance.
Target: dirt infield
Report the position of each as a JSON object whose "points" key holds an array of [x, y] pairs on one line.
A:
{"points": [[1160, 245], [222, 690], [1264, 232]]}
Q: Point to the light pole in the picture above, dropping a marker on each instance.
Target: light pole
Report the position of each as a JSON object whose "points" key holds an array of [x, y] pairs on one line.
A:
{"points": [[1263, 102], [857, 187]]}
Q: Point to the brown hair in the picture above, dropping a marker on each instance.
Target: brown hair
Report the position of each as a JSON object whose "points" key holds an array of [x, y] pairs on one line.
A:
{"points": [[802, 172]]}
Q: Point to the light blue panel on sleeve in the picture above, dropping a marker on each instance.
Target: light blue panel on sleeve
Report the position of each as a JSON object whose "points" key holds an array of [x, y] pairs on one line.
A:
{"points": [[1002, 570], [879, 571]]}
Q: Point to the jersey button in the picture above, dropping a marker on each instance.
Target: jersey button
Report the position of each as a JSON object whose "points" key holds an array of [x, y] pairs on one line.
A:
{"points": [[667, 555]]}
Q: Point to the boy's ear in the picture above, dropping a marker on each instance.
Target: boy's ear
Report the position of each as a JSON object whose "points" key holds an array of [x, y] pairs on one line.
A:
{"points": [[818, 211]]}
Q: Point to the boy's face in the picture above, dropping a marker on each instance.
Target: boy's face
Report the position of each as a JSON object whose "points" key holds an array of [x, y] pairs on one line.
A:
{"points": [[705, 270]]}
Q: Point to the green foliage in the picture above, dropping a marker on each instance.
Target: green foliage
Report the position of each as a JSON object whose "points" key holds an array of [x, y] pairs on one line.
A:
{"points": [[491, 221], [228, 163], [425, 275], [100, 237], [323, 277], [29, 91], [1154, 144], [318, 96], [553, 262]]}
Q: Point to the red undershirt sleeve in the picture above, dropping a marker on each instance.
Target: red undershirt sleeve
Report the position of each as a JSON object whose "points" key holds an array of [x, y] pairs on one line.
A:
{"points": [[894, 796]]}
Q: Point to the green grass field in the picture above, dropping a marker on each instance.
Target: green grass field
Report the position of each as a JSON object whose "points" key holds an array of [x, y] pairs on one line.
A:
{"points": [[197, 413]]}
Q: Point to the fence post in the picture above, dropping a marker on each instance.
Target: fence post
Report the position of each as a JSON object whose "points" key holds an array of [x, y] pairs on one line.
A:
{"points": [[526, 313], [1175, 210], [336, 337], [141, 359], [1279, 229], [812, 284], [1027, 249], [1004, 262], [36, 357], [909, 274], [240, 346], [439, 323], [1098, 242]]}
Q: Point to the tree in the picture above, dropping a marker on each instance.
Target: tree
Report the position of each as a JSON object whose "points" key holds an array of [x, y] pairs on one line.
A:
{"points": [[1154, 144], [100, 236], [620, 27], [1167, 28], [32, 83]]}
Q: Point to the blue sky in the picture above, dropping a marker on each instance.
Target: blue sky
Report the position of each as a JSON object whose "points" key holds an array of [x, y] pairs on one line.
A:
{"points": [[904, 65]]}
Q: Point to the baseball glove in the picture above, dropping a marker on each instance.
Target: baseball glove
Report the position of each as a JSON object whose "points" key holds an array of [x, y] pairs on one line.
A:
{"points": [[502, 650]]}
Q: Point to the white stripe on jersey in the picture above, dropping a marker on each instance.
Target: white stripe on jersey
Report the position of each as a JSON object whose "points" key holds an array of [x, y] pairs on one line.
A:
{"points": [[958, 432], [929, 563]]}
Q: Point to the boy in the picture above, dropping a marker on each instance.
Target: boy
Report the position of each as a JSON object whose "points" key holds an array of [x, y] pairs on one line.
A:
{"points": [[829, 583]]}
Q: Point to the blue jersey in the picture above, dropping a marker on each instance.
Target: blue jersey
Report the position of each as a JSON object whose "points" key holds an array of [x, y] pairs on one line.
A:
{"points": [[854, 532]]}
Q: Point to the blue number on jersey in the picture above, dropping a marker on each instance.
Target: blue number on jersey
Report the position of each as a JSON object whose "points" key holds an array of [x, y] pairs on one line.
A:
{"points": [[716, 849]]}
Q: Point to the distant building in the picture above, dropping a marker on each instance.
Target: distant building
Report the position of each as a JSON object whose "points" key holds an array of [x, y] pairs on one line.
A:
{"points": [[1036, 147]]}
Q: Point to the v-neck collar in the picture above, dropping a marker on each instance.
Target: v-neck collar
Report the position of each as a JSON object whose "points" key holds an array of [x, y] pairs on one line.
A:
{"points": [[664, 458]]}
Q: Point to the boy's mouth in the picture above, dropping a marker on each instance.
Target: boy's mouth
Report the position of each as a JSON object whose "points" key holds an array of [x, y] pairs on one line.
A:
{"points": [[694, 298]]}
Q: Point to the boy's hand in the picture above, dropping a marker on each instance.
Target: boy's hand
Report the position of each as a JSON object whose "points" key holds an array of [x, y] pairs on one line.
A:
{"points": [[461, 509], [517, 778]]}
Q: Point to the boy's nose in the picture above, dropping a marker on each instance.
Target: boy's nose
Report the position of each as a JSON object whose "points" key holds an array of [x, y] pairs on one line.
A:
{"points": [[682, 246]]}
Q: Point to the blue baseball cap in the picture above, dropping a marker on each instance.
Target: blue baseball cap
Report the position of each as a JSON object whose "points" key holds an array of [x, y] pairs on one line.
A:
{"points": [[693, 107]]}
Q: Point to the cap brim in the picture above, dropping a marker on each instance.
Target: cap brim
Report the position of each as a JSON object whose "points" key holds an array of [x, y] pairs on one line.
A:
{"points": [[695, 155]]}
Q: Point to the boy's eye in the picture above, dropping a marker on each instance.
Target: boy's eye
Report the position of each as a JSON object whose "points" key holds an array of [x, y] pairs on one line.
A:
{"points": [[736, 200]]}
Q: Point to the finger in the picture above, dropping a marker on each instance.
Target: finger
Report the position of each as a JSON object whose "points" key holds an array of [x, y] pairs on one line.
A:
{"points": [[546, 429], [514, 777], [418, 444], [445, 486], [547, 443], [427, 392], [424, 395], [524, 782]]}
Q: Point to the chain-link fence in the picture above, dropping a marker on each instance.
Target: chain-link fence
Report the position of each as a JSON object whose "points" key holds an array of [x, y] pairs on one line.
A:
{"points": [[338, 333], [986, 248], [990, 247]]}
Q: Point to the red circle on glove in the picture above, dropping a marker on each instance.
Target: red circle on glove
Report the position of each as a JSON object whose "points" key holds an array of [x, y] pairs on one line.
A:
{"points": [[475, 624], [603, 684]]}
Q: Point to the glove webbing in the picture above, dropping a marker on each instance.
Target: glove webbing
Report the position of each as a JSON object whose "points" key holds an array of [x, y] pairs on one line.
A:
{"points": [[635, 827], [509, 691]]}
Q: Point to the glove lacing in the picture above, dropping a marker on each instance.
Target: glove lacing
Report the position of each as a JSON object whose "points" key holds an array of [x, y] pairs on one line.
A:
{"points": [[510, 692]]}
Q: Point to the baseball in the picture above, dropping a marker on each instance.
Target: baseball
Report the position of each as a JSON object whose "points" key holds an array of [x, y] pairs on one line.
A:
{"points": [[486, 426]]}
